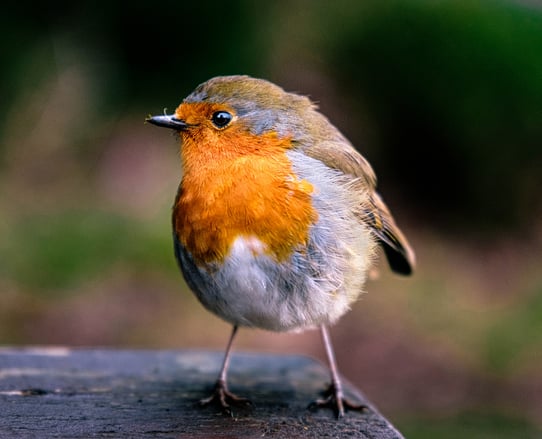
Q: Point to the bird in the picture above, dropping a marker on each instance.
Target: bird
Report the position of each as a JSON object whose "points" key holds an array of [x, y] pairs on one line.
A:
{"points": [[277, 220]]}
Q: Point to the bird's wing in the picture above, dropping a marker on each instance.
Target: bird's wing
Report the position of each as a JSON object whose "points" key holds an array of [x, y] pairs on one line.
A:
{"points": [[342, 156]]}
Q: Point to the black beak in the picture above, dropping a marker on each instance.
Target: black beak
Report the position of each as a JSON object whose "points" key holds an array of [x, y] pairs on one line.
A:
{"points": [[168, 121]]}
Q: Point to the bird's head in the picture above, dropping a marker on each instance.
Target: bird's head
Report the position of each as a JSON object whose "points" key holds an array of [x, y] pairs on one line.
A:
{"points": [[227, 107]]}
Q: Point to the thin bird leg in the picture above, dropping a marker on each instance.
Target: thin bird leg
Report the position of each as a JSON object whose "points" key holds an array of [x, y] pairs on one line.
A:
{"points": [[221, 394], [334, 396]]}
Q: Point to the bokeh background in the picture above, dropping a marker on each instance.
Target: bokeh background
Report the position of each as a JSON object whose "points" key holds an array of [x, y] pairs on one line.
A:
{"points": [[443, 97]]}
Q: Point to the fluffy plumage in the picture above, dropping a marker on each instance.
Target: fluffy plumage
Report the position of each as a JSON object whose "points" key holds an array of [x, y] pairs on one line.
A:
{"points": [[277, 217]]}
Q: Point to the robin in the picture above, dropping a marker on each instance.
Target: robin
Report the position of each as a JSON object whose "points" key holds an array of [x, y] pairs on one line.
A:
{"points": [[276, 220]]}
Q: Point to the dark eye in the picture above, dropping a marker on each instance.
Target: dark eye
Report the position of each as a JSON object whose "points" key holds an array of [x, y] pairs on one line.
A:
{"points": [[221, 118]]}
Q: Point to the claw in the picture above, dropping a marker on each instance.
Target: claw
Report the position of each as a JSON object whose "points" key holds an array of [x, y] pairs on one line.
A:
{"points": [[224, 398], [335, 400]]}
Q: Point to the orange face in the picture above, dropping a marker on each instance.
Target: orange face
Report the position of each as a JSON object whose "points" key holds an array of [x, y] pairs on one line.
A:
{"points": [[237, 184]]}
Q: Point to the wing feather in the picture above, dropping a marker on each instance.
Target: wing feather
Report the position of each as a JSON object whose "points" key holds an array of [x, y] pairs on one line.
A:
{"points": [[342, 156]]}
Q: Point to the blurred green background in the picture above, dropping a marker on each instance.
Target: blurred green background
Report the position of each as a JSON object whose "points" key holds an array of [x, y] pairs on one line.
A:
{"points": [[443, 97]]}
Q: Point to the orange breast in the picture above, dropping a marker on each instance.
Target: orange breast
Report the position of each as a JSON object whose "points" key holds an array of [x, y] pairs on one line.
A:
{"points": [[238, 184]]}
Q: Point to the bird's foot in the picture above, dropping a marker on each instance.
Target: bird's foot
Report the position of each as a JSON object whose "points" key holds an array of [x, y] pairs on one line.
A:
{"points": [[224, 398], [334, 399]]}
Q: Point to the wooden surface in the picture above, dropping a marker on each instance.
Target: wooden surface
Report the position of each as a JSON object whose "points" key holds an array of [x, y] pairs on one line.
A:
{"points": [[79, 393]]}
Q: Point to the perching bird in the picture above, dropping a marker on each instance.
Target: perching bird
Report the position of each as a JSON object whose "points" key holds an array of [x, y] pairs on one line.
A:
{"points": [[277, 218]]}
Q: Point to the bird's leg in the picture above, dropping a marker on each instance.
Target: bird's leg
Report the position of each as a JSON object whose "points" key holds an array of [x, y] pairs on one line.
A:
{"points": [[334, 396], [221, 394]]}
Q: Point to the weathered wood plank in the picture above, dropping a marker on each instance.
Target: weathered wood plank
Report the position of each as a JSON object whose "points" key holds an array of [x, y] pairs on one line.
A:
{"points": [[81, 393]]}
